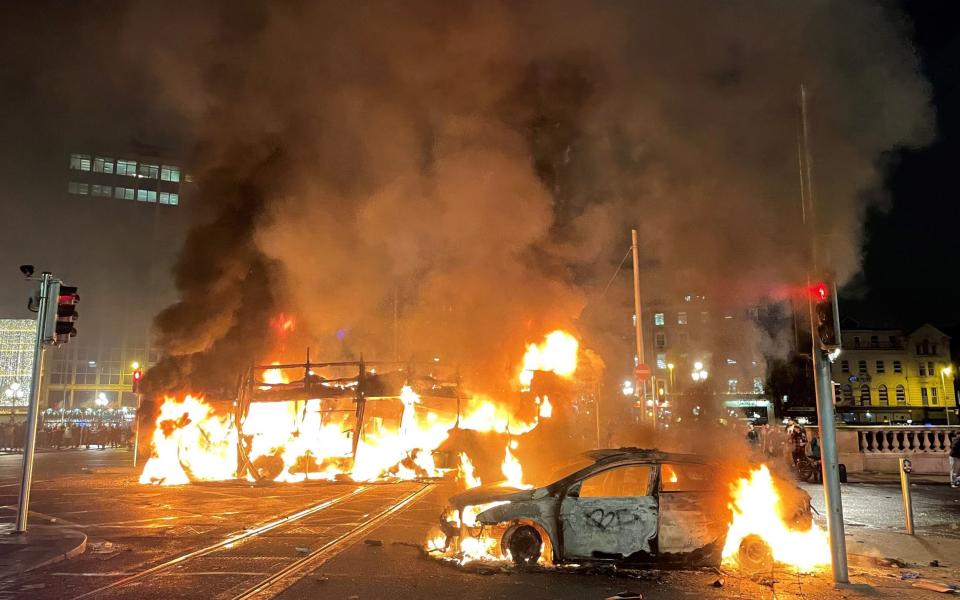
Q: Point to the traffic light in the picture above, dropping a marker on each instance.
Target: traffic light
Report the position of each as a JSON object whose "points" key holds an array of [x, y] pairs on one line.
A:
{"points": [[826, 316], [67, 315], [137, 378]]}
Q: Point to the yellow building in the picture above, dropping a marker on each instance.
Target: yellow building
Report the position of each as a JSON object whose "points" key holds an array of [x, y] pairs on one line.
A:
{"points": [[890, 376]]}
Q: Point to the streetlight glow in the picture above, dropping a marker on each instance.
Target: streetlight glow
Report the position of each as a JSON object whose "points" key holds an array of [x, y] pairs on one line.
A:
{"points": [[135, 365]]}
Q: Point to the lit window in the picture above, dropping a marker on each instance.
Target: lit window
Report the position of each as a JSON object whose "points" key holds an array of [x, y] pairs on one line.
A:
{"points": [[104, 191], [146, 196], [123, 193], [80, 162], [147, 171], [127, 167], [78, 188], [170, 173], [732, 386], [758, 385], [103, 164], [658, 319], [731, 361], [704, 317], [169, 198], [661, 361], [681, 318]]}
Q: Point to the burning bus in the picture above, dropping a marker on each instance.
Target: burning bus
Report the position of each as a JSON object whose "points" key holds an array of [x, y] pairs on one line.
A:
{"points": [[358, 421]]}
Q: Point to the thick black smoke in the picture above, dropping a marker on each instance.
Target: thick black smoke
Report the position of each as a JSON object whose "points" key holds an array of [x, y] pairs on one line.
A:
{"points": [[482, 162]]}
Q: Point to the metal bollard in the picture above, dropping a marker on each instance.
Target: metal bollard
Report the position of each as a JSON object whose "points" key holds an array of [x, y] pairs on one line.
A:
{"points": [[906, 467]]}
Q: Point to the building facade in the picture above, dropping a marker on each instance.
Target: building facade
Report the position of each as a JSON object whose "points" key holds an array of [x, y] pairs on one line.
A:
{"points": [[897, 377], [706, 352], [134, 177]]}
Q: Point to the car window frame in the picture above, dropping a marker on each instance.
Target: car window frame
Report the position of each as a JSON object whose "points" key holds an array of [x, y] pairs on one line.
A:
{"points": [[573, 489]]}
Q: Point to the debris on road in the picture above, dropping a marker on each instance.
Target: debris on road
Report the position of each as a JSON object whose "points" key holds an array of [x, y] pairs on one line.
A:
{"points": [[719, 582], [626, 595], [373, 542], [303, 550], [934, 563], [936, 587], [908, 575]]}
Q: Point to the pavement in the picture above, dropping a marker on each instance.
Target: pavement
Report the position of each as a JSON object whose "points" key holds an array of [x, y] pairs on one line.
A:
{"points": [[134, 528], [41, 545]]}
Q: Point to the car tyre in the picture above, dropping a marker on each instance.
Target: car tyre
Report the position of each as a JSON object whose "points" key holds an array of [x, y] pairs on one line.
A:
{"points": [[524, 544], [754, 555]]}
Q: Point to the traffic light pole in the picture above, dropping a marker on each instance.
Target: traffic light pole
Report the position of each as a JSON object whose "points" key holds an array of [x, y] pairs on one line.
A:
{"points": [[30, 444], [830, 464]]}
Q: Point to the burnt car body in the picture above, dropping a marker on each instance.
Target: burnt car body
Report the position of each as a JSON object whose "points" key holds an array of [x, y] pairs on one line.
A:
{"points": [[628, 505]]}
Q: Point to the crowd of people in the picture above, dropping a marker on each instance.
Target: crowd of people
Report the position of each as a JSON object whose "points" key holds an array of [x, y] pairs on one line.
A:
{"points": [[62, 436], [790, 442]]}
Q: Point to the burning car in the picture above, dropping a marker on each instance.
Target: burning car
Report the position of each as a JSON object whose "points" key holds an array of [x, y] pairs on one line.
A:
{"points": [[628, 505]]}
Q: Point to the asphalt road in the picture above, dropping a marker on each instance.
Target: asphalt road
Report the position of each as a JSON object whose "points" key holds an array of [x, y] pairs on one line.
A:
{"points": [[936, 507], [340, 540]]}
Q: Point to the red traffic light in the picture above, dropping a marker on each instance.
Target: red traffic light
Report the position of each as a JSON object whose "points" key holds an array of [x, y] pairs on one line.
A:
{"points": [[137, 378], [819, 291]]}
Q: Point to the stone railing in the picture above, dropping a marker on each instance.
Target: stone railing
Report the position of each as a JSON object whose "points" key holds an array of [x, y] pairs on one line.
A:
{"points": [[879, 447]]}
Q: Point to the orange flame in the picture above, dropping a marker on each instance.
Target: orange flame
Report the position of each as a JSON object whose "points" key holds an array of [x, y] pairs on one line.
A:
{"points": [[556, 354], [755, 504]]}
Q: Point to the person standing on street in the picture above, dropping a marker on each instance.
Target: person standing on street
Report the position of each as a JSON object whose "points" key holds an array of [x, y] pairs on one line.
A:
{"points": [[955, 462]]}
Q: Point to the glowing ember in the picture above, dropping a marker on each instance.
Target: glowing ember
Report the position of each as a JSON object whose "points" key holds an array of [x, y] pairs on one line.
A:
{"points": [[755, 504], [556, 354]]}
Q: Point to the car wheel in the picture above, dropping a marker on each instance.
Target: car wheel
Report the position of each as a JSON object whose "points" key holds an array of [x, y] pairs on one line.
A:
{"points": [[754, 555], [524, 544]]}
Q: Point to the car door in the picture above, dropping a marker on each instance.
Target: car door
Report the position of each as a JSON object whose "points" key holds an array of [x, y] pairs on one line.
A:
{"points": [[692, 508], [610, 513]]}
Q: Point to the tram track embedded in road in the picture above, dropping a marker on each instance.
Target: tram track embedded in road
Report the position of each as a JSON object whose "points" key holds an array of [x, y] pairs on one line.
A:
{"points": [[287, 576], [229, 542]]}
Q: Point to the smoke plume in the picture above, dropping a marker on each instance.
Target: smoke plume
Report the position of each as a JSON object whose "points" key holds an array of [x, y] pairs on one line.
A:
{"points": [[477, 166]]}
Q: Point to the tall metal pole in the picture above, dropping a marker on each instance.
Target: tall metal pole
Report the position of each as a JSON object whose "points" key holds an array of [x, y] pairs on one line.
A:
{"points": [[29, 446], [638, 325], [821, 369]]}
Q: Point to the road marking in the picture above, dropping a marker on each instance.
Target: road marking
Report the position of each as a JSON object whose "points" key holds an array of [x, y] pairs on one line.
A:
{"points": [[284, 578], [229, 542]]}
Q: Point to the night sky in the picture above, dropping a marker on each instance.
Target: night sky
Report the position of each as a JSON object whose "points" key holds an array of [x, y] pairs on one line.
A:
{"points": [[912, 248]]}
